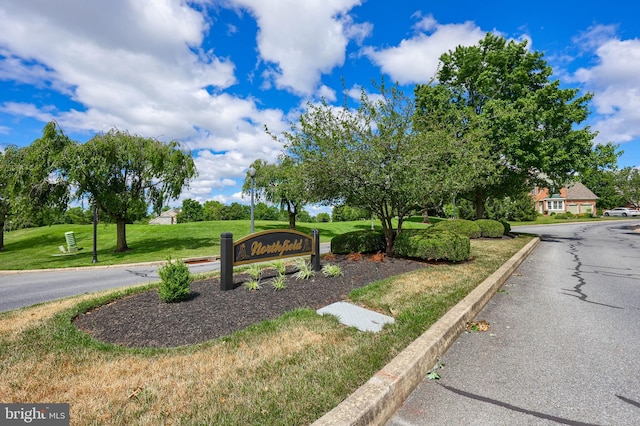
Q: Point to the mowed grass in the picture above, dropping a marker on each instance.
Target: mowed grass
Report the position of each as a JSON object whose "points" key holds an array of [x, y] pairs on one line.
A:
{"points": [[37, 248], [287, 371]]}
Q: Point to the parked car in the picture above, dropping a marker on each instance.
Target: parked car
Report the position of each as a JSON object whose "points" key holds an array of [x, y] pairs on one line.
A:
{"points": [[621, 211]]}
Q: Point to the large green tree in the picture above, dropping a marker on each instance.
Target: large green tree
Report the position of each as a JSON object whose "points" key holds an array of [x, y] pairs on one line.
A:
{"points": [[283, 183], [32, 184], [528, 124], [192, 211], [124, 173], [628, 184], [370, 157], [9, 163]]}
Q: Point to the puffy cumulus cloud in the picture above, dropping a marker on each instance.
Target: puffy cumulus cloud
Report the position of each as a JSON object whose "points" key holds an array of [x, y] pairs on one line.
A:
{"points": [[301, 40], [133, 64], [136, 65], [615, 82], [415, 60]]}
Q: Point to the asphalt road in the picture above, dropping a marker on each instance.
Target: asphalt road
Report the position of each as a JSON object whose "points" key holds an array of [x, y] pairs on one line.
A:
{"points": [[26, 288], [563, 345]]}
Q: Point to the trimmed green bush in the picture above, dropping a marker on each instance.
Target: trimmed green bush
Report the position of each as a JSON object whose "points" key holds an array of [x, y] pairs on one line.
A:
{"points": [[490, 228], [465, 227], [432, 244], [359, 242], [176, 281]]}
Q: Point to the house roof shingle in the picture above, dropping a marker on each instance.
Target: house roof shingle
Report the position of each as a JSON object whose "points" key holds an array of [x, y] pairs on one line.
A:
{"points": [[577, 191]]}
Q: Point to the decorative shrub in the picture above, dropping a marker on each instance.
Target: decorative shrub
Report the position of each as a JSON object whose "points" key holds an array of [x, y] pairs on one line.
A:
{"points": [[459, 226], [331, 270], [432, 244], [175, 281], [279, 282], [490, 228], [305, 271], [358, 241]]}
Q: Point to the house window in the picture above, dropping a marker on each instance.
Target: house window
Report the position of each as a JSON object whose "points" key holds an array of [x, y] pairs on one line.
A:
{"points": [[555, 205]]}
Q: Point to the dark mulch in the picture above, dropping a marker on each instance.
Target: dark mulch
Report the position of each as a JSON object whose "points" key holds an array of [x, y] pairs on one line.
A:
{"points": [[143, 320]]}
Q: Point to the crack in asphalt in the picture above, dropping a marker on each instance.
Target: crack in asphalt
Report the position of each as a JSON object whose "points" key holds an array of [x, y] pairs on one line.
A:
{"points": [[577, 290], [515, 408], [629, 401]]}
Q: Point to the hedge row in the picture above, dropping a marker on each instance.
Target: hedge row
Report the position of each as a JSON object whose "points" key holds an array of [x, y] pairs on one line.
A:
{"points": [[432, 244], [446, 240], [474, 228], [359, 242]]}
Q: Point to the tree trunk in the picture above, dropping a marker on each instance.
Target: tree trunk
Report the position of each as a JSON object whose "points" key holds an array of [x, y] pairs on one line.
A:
{"points": [[478, 201], [121, 242], [2, 234], [292, 216], [389, 236]]}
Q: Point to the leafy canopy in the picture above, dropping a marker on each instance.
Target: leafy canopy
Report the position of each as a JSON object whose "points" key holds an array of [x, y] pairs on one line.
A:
{"points": [[124, 173]]}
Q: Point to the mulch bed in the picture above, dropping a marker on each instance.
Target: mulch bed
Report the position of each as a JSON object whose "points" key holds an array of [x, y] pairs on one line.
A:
{"points": [[143, 320]]}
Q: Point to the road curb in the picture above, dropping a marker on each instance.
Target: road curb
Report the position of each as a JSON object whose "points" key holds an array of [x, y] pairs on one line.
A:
{"points": [[375, 402]]}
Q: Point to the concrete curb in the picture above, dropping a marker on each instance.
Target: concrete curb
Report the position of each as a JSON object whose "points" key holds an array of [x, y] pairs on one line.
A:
{"points": [[379, 398]]}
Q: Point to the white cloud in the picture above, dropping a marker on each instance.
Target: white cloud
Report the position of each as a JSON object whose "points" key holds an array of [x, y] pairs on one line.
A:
{"points": [[301, 40], [415, 60], [136, 65], [615, 82]]}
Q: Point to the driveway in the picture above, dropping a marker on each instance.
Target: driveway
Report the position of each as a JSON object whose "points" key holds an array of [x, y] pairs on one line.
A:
{"points": [[563, 343]]}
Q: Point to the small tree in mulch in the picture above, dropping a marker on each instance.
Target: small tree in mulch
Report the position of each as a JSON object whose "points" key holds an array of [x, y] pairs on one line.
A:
{"points": [[176, 281]]}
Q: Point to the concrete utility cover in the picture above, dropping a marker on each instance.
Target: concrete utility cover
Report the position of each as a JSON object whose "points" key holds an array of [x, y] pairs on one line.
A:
{"points": [[355, 316]]}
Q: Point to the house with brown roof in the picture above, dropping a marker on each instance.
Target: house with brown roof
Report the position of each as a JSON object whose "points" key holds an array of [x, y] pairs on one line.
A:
{"points": [[574, 198]]}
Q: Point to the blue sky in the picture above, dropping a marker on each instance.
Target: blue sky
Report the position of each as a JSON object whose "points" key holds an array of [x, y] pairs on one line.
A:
{"points": [[212, 73]]}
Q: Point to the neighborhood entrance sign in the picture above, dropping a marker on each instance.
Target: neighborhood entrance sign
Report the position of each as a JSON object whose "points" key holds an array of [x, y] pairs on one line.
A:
{"points": [[264, 246]]}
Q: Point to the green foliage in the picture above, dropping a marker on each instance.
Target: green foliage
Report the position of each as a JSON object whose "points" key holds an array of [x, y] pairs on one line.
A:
{"points": [[305, 271], [236, 211], [254, 270], [282, 183], [563, 216], [502, 97], [628, 186], [252, 285], [191, 211], [465, 227], [33, 188], [358, 242], [175, 281], [265, 212], [331, 270], [279, 266], [279, 282], [520, 207], [212, 210], [345, 213], [125, 173], [490, 228], [432, 244], [323, 217], [368, 156], [506, 225]]}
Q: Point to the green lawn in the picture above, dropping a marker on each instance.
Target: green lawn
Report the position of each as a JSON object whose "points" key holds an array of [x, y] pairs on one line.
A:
{"points": [[37, 248]]}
